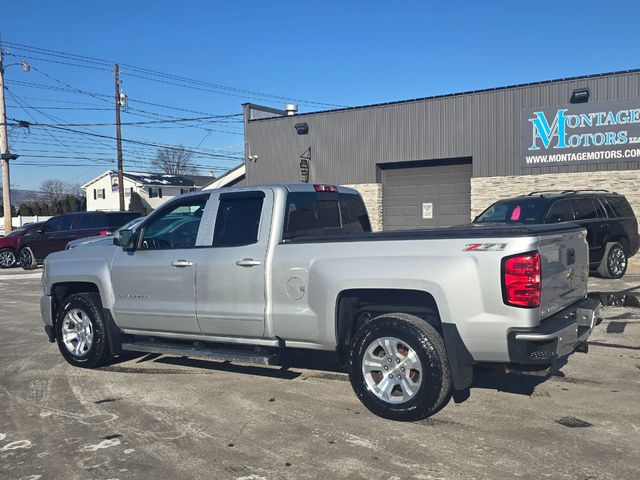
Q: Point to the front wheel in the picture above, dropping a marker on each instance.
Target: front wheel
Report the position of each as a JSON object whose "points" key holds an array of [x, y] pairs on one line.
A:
{"points": [[81, 332], [27, 260], [398, 367], [614, 263], [7, 258]]}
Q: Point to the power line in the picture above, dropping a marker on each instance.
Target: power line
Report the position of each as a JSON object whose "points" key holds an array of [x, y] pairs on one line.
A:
{"points": [[154, 75], [159, 145], [150, 122]]}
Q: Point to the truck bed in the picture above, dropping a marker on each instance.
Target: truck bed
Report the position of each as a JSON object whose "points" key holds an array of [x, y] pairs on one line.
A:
{"points": [[460, 231]]}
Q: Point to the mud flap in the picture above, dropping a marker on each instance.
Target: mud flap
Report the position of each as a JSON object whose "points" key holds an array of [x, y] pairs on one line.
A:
{"points": [[114, 335], [460, 360]]}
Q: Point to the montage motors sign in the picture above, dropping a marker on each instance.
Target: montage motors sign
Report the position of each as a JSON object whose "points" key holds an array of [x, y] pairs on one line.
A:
{"points": [[581, 133]]}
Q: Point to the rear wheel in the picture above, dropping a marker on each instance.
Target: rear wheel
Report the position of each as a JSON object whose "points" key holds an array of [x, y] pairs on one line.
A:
{"points": [[398, 367], [26, 258], [81, 332], [615, 261], [7, 258]]}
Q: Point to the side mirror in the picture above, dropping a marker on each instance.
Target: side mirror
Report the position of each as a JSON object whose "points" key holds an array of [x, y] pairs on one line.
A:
{"points": [[124, 239]]}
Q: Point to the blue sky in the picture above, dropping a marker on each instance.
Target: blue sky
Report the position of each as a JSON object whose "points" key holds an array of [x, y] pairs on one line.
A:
{"points": [[337, 52]]}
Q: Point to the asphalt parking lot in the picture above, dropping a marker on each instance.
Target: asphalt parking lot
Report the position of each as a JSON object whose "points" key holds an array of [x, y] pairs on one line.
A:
{"points": [[163, 417]]}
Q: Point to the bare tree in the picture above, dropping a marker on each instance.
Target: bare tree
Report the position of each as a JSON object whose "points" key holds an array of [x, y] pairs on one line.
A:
{"points": [[175, 161], [74, 189], [54, 188]]}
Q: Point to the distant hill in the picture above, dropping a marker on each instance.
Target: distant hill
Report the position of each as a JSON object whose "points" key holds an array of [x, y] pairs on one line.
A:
{"points": [[19, 197]]}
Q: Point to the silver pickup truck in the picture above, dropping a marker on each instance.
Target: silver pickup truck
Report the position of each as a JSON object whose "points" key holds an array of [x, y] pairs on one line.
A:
{"points": [[242, 273]]}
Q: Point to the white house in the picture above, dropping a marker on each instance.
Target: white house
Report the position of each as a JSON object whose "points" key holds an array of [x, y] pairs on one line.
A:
{"points": [[235, 176], [154, 188]]}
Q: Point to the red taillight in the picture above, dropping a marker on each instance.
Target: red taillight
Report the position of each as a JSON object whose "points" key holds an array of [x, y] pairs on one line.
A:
{"points": [[104, 232], [325, 188], [521, 280]]}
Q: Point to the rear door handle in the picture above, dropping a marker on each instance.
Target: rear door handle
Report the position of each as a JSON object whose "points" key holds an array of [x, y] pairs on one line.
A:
{"points": [[181, 263], [248, 262]]}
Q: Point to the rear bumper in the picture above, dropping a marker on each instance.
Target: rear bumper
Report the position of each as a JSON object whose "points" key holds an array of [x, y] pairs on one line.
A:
{"points": [[556, 336]]}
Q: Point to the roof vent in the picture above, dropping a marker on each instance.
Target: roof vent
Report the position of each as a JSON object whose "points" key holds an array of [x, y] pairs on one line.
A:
{"points": [[291, 109]]}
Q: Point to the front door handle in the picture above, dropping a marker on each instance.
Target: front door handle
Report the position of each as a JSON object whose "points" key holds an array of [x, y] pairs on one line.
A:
{"points": [[181, 263], [248, 262]]}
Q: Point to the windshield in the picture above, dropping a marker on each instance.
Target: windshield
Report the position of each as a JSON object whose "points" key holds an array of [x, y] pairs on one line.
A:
{"points": [[521, 210]]}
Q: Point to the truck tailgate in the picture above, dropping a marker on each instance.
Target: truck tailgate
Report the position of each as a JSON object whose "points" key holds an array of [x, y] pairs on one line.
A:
{"points": [[564, 258]]}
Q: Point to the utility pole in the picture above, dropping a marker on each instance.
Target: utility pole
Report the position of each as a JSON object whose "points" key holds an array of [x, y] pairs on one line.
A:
{"points": [[4, 153], [119, 141]]}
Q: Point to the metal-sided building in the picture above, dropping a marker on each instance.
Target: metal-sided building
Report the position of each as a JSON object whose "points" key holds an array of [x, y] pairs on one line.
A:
{"points": [[441, 160]]}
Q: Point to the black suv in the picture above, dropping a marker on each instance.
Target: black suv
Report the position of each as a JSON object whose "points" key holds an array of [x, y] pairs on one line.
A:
{"points": [[612, 228], [55, 233]]}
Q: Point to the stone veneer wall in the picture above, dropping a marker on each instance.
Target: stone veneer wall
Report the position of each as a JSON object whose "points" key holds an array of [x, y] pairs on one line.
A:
{"points": [[372, 196], [486, 190]]}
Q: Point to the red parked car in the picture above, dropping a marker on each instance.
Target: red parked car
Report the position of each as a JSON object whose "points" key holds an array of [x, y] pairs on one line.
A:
{"points": [[9, 245]]}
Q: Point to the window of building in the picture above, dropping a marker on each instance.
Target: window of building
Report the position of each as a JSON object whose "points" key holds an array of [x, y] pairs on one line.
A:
{"points": [[155, 192], [98, 193], [177, 227], [128, 192], [238, 219], [187, 190]]}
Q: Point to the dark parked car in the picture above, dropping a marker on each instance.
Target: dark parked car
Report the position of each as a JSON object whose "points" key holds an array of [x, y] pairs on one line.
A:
{"points": [[9, 245], [612, 228], [56, 232]]}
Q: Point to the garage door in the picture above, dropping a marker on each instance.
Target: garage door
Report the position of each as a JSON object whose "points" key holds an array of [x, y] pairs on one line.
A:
{"points": [[426, 196]]}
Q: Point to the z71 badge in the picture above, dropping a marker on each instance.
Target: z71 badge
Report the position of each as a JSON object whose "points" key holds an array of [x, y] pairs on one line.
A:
{"points": [[484, 247]]}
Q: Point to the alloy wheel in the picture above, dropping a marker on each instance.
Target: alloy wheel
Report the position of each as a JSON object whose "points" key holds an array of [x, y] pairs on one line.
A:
{"points": [[77, 332], [7, 258], [392, 370], [617, 261]]}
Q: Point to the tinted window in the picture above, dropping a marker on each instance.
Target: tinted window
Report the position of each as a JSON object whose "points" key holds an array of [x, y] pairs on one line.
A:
{"points": [[238, 220], [117, 220], [88, 220], [177, 227], [560, 211], [600, 210], [521, 210], [584, 208], [53, 224], [65, 223], [618, 207], [310, 213]]}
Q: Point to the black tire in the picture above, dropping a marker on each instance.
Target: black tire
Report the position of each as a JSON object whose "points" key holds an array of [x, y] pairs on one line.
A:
{"points": [[8, 258], [435, 386], [614, 262], [26, 259], [97, 353]]}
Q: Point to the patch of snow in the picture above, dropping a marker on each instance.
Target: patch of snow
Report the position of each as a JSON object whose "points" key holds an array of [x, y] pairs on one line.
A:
{"points": [[103, 444], [16, 445]]}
